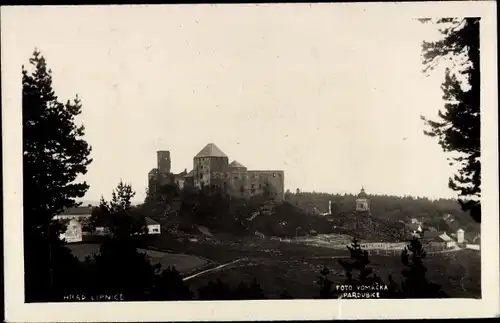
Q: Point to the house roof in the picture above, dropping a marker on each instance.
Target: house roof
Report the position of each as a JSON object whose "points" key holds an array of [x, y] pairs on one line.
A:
{"points": [[150, 221], [445, 237], [234, 163], [414, 226], [210, 150], [362, 194], [190, 174], [80, 210], [153, 171]]}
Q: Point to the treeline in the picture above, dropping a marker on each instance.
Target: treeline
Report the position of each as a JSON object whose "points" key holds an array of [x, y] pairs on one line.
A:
{"points": [[387, 207]]}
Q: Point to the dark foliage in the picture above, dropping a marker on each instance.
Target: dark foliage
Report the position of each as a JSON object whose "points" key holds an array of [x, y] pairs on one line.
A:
{"points": [[120, 268], [170, 286], [325, 284], [458, 129], [161, 196], [286, 295], [357, 268], [54, 155], [415, 283], [218, 290], [118, 215]]}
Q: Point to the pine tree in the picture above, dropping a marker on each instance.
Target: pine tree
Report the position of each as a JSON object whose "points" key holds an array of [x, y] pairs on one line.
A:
{"points": [[459, 125], [356, 268], [215, 291], [119, 215], [54, 155], [170, 286], [415, 284], [325, 284], [54, 150]]}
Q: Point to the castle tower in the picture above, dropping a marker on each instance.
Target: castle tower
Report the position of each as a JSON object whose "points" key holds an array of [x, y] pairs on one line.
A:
{"points": [[362, 202], [209, 166], [163, 161]]}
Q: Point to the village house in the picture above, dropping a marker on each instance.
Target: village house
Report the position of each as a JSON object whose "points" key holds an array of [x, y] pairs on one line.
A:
{"points": [[154, 227], [73, 231], [81, 213], [74, 219], [415, 229]]}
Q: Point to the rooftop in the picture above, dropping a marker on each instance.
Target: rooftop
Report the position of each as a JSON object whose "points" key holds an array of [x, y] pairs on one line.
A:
{"points": [[362, 194], [150, 221], [210, 150], [235, 164], [80, 210]]}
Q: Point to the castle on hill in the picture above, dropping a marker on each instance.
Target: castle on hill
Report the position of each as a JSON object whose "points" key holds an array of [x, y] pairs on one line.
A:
{"points": [[211, 168]]}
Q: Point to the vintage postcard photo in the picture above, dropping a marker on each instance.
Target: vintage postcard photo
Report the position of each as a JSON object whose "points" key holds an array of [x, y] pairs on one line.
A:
{"points": [[243, 161]]}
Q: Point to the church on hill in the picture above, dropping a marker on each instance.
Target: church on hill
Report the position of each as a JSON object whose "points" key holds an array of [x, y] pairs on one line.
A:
{"points": [[363, 202], [211, 168]]}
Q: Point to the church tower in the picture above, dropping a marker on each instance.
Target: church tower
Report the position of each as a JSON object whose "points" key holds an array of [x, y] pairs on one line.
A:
{"points": [[362, 202]]}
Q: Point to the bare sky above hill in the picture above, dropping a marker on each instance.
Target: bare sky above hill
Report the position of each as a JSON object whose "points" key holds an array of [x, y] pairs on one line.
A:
{"points": [[330, 94]]}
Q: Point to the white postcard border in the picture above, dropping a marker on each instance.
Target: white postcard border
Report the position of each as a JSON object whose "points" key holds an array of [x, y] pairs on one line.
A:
{"points": [[18, 311]]}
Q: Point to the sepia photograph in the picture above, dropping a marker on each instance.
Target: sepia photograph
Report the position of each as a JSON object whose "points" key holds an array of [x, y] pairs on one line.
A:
{"points": [[273, 161]]}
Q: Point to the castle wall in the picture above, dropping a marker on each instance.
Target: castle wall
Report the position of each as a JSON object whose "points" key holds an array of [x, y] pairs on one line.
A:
{"points": [[274, 179], [251, 183]]}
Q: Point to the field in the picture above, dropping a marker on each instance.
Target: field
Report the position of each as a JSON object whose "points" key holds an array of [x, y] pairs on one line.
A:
{"points": [[183, 263], [293, 267], [279, 266]]}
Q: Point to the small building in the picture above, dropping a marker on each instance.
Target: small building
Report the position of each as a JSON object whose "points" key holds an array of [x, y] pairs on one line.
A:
{"points": [[460, 236], [73, 232], [362, 202], [415, 221], [449, 242], [153, 226], [80, 213], [415, 229]]}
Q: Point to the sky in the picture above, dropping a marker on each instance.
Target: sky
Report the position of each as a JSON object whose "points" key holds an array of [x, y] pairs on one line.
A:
{"points": [[330, 94]]}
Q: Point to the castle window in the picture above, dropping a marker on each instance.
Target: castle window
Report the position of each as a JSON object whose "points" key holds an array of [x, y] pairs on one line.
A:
{"points": [[274, 174], [235, 177]]}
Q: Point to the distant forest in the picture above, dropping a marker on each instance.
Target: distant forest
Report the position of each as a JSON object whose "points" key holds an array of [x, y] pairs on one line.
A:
{"points": [[387, 207]]}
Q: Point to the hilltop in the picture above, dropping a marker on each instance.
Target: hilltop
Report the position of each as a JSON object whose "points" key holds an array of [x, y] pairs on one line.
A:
{"points": [[298, 215]]}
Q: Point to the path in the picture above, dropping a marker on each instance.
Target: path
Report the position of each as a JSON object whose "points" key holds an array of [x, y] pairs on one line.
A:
{"points": [[212, 269]]}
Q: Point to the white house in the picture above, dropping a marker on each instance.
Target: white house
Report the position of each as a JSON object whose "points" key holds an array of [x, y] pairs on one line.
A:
{"points": [[73, 232], [450, 243], [153, 226]]}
